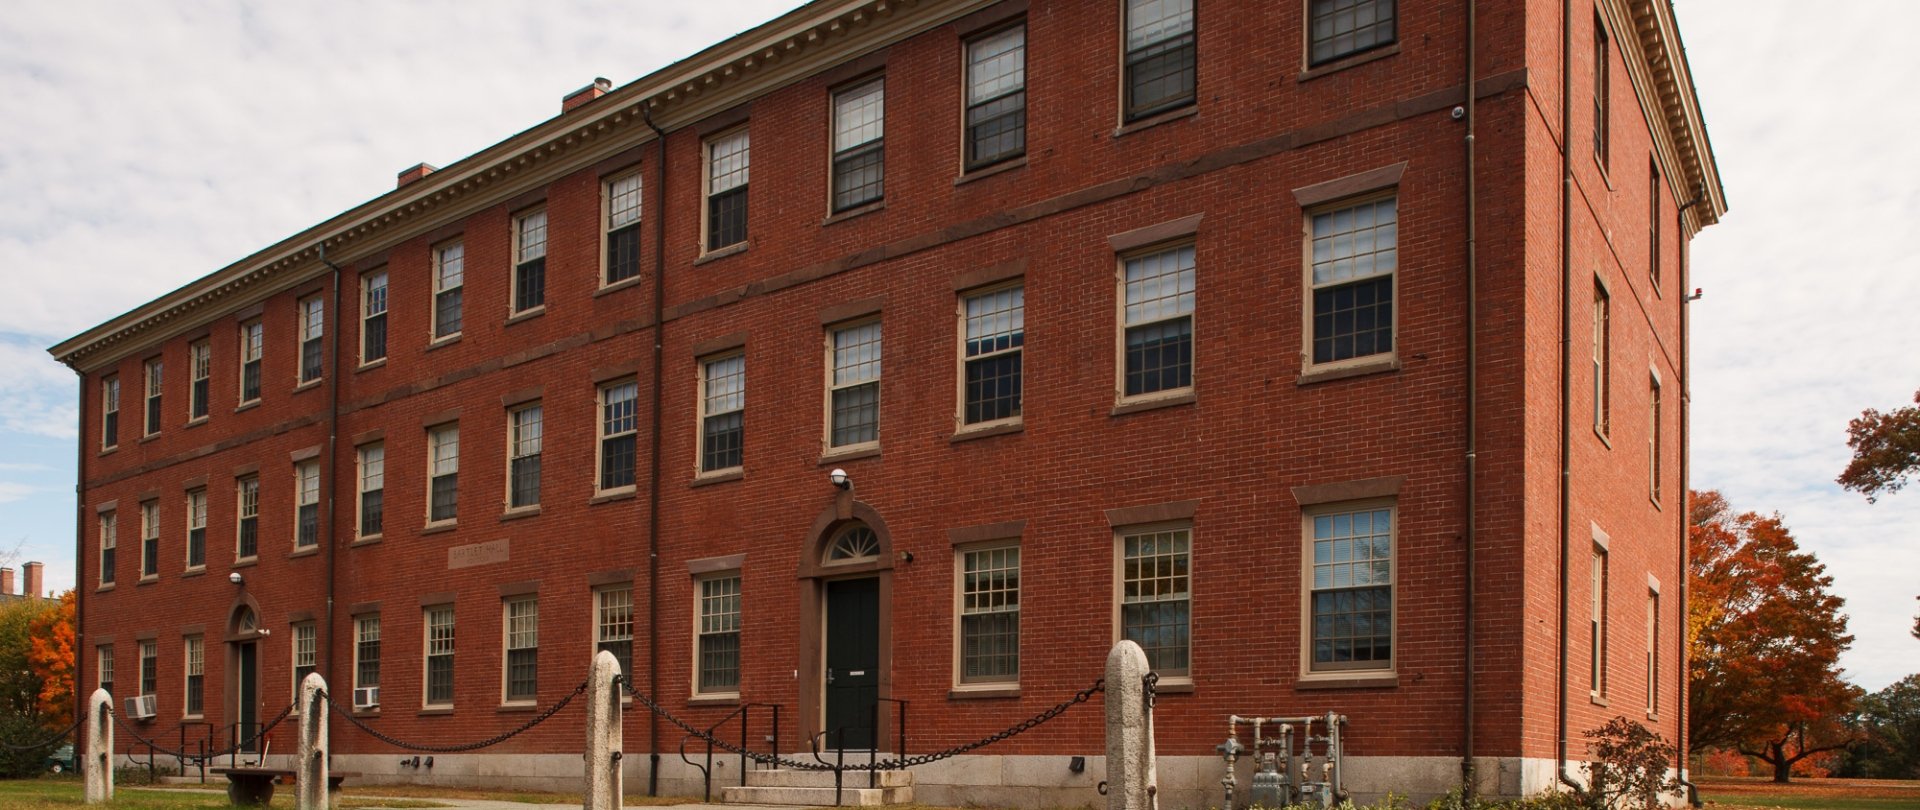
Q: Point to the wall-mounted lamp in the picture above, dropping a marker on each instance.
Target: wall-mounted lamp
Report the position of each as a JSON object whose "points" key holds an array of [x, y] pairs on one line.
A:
{"points": [[906, 556], [840, 479], [235, 578]]}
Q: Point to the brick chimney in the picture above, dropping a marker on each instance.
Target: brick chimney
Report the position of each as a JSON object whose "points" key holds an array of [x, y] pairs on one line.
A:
{"points": [[415, 172], [6, 581], [579, 98], [31, 572]]}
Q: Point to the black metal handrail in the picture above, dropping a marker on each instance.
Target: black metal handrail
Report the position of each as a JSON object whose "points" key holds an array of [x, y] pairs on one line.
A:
{"points": [[743, 712]]}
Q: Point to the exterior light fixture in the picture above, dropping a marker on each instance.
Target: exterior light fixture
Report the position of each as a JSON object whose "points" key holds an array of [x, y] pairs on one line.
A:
{"points": [[840, 479]]}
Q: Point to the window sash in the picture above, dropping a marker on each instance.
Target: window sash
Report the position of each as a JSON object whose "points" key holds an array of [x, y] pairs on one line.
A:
{"points": [[1602, 68], [619, 429], [727, 174], [307, 505], [859, 158], [196, 528], [150, 539], [305, 651], [373, 323], [153, 376], [624, 205], [723, 404], [1653, 440], [200, 364], [252, 347], [109, 413], [990, 615], [366, 652], [449, 280], [312, 328], [1160, 56], [195, 675], [443, 473], [522, 646], [149, 667], [1340, 28], [996, 125], [103, 658], [439, 651], [1158, 321], [718, 631], [248, 530], [854, 398], [523, 452], [1154, 596], [1597, 625], [1602, 359], [994, 333], [1351, 589]]}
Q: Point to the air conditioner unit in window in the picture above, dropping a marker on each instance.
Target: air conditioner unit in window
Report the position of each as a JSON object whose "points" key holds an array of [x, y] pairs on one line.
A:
{"points": [[366, 697], [141, 707]]}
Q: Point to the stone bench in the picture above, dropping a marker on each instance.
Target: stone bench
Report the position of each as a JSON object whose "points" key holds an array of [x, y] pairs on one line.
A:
{"points": [[253, 786]]}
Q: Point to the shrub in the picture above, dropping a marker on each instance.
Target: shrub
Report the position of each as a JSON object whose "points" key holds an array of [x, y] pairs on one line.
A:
{"points": [[1629, 767]]}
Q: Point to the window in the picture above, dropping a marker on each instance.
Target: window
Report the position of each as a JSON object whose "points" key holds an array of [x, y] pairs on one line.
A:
{"points": [[1597, 626], [997, 97], [373, 483], [619, 428], [149, 667], [1160, 56], [196, 528], [443, 485], [1157, 322], [200, 362], [109, 413], [153, 396], [623, 228], [449, 274], [1602, 359], [1154, 596], [306, 513], [523, 647], [727, 190], [859, 145], [1653, 223], [523, 456], [306, 653], [109, 542], [1602, 66], [1338, 28], [1350, 593], [373, 317], [439, 649], [103, 656], [149, 539], [252, 346], [1653, 652], [853, 398], [723, 402], [1355, 253], [247, 544], [613, 624], [313, 326], [530, 261], [1653, 439], [990, 615], [995, 329], [854, 543], [196, 675], [366, 651], [718, 656]]}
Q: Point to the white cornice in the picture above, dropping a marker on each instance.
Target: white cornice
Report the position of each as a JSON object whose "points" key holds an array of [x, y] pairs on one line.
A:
{"points": [[787, 49], [1663, 82]]}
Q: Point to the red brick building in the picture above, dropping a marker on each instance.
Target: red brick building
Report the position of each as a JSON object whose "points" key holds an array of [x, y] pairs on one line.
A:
{"points": [[1321, 417]]}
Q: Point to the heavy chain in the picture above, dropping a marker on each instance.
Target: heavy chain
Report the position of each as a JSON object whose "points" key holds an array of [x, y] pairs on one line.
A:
{"points": [[46, 742], [454, 749], [237, 745], [1056, 710]]}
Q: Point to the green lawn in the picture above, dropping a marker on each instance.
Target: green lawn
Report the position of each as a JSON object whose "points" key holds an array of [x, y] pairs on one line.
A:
{"points": [[31, 793]]}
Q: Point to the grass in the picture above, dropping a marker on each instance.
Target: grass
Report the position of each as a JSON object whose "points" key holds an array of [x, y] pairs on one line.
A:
{"points": [[1760, 793], [66, 791]]}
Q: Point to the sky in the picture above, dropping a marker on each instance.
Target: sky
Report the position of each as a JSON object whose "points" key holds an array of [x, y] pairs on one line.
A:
{"points": [[143, 145]]}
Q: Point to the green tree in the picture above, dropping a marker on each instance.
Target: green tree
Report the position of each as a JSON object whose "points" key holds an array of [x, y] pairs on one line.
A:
{"points": [[1890, 724]]}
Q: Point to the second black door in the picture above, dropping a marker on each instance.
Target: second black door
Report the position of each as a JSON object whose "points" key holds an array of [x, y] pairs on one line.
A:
{"points": [[853, 661]]}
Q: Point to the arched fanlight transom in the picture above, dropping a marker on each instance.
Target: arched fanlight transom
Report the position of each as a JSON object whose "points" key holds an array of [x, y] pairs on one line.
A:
{"points": [[855, 542]]}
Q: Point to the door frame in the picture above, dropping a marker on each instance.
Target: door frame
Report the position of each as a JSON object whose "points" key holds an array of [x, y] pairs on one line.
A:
{"points": [[814, 574], [237, 636]]}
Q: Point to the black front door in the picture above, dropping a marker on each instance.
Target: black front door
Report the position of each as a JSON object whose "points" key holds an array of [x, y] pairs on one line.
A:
{"points": [[853, 660], [246, 694]]}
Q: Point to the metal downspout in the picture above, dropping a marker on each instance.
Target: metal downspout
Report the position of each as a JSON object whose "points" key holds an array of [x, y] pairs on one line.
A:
{"points": [[653, 453], [1566, 378], [1686, 510], [333, 438], [80, 697], [1467, 780]]}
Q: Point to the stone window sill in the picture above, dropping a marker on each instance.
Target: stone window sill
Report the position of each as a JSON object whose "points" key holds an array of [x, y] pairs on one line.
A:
{"points": [[618, 286], [436, 528], [621, 494], [370, 365], [716, 255], [441, 343], [1154, 402], [1375, 365], [246, 562], [856, 211], [984, 172], [983, 692], [434, 711], [303, 552], [714, 700], [1349, 61], [1358, 680], [518, 513], [307, 386], [972, 432], [853, 453], [369, 540], [516, 708], [718, 477], [197, 421], [247, 406], [1157, 119], [198, 570], [526, 315]]}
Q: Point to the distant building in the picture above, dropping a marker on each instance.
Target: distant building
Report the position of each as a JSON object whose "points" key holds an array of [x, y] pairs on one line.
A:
{"points": [[584, 389], [31, 574]]}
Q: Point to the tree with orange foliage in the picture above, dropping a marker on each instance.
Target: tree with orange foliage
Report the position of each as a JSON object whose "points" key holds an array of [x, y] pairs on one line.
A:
{"points": [[50, 653], [1765, 639]]}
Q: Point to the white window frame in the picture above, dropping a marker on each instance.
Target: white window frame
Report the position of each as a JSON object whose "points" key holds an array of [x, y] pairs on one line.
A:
{"points": [[961, 554], [313, 332], [603, 422], [1602, 365], [841, 103], [616, 216], [149, 666], [306, 650], [441, 463], [194, 665], [246, 505], [855, 359], [103, 674], [200, 382], [449, 279], [1653, 649], [153, 415], [1388, 671], [708, 190], [530, 240], [1598, 604], [109, 541], [610, 604], [197, 522], [149, 536], [432, 647], [375, 300], [1386, 359], [704, 412], [1117, 619], [109, 411], [1127, 47], [306, 492], [370, 475], [526, 437], [507, 647], [700, 601], [969, 98], [1307, 38], [366, 630], [1151, 313], [1655, 438], [253, 349], [961, 359]]}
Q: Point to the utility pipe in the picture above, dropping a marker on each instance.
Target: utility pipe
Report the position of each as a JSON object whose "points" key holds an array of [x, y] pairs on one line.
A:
{"points": [[1472, 392], [333, 463], [1566, 379], [81, 697], [1686, 507], [653, 453]]}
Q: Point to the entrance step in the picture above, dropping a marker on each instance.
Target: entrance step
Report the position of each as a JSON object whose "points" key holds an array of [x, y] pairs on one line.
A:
{"points": [[815, 788]]}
